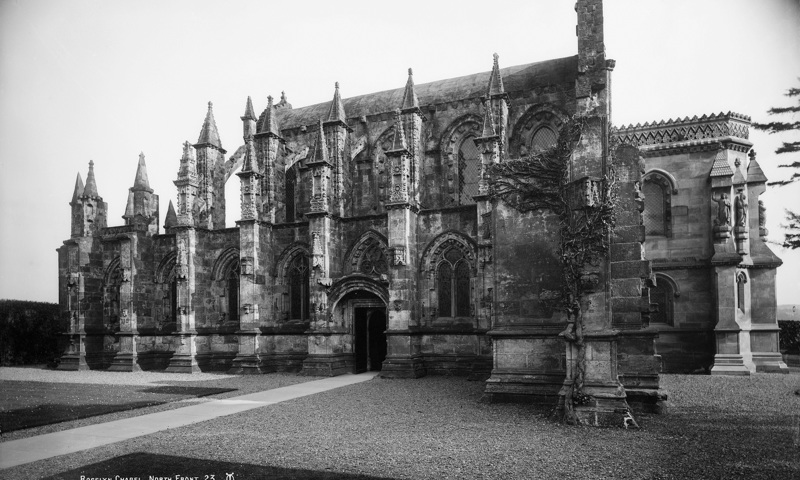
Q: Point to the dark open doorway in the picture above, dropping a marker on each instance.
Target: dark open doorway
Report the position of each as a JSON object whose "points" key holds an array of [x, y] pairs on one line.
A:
{"points": [[370, 338]]}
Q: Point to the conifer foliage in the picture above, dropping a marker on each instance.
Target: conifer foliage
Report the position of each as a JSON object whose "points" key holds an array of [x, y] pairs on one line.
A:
{"points": [[792, 236]]}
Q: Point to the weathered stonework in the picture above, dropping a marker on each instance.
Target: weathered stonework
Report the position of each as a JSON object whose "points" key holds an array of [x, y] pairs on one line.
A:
{"points": [[368, 241]]}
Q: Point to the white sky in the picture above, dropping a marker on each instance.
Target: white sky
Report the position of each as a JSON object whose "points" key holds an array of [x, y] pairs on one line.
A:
{"points": [[103, 80]]}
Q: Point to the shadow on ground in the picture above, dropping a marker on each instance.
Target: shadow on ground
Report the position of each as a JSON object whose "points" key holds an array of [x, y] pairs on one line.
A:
{"points": [[148, 465], [33, 404]]}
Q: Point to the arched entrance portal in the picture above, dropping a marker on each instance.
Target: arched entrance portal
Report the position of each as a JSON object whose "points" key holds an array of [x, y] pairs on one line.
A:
{"points": [[369, 334], [361, 310]]}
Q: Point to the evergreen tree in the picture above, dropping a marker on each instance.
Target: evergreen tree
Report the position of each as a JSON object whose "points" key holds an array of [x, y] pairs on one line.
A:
{"points": [[792, 237]]}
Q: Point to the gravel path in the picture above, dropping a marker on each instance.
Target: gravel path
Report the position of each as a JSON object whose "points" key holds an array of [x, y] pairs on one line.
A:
{"points": [[437, 428]]}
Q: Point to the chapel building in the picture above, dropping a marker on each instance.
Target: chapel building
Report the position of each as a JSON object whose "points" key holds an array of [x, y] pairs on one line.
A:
{"points": [[368, 240]]}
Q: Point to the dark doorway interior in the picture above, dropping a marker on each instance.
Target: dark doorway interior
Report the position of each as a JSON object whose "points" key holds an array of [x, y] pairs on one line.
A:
{"points": [[370, 338]]}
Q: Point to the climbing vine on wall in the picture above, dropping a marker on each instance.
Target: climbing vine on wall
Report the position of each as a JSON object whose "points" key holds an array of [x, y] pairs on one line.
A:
{"points": [[585, 210]]}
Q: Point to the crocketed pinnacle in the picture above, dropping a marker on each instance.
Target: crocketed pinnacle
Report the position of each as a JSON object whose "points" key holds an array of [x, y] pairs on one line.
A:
{"points": [[249, 113], [320, 147], [270, 124], [495, 80], [188, 168], [336, 112], [249, 164], [90, 190], [399, 142], [78, 192], [171, 219], [141, 183], [209, 134], [410, 99]]}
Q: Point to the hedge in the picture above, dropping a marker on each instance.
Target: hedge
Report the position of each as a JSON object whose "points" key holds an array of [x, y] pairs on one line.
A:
{"points": [[29, 333], [790, 336]]}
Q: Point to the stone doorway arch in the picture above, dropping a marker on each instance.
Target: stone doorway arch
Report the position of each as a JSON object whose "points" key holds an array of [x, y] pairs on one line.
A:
{"points": [[359, 306]]}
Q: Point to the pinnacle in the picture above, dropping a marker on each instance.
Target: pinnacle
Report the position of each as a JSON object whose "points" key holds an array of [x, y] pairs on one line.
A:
{"points": [[488, 122], [209, 134], [336, 112], [171, 219], [129, 206], [495, 80], [320, 153], [90, 190], [249, 113], [141, 182], [78, 192], [410, 99], [270, 124], [399, 142]]}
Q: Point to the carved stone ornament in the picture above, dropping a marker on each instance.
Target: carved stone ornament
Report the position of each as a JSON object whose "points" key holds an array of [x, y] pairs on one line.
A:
{"points": [[484, 255], [398, 305], [762, 219], [723, 210], [73, 279], [399, 256], [584, 193], [325, 281], [246, 266], [247, 308], [317, 256], [124, 320], [741, 209], [126, 274]]}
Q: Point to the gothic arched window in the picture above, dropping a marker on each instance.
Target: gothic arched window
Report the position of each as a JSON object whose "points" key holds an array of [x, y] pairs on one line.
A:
{"points": [[113, 283], [232, 293], [657, 191], [453, 279], [469, 171], [297, 277], [291, 182], [543, 139], [663, 296]]}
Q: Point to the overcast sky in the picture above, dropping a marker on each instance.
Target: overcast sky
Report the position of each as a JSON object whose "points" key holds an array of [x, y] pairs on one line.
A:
{"points": [[103, 80]]}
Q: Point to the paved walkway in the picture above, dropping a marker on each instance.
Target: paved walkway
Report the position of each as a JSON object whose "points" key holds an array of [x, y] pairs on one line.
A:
{"points": [[32, 449]]}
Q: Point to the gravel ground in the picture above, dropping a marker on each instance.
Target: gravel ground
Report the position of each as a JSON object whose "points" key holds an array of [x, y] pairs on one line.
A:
{"points": [[436, 427]]}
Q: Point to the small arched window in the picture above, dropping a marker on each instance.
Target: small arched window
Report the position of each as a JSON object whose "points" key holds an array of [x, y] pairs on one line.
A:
{"points": [[663, 297], [453, 279], [297, 277], [543, 139], [657, 214], [469, 171], [291, 182], [741, 279]]}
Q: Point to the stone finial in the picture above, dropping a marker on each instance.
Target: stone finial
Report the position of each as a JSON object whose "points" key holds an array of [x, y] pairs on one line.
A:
{"points": [[208, 133], [410, 99], [171, 220], [754, 172], [284, 103], [78, 192], [90, 190], [495, 86], [141, 182], [336, 112]]}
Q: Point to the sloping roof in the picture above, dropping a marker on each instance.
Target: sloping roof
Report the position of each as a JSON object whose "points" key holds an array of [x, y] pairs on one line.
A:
{"points": [[515, 79]]}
